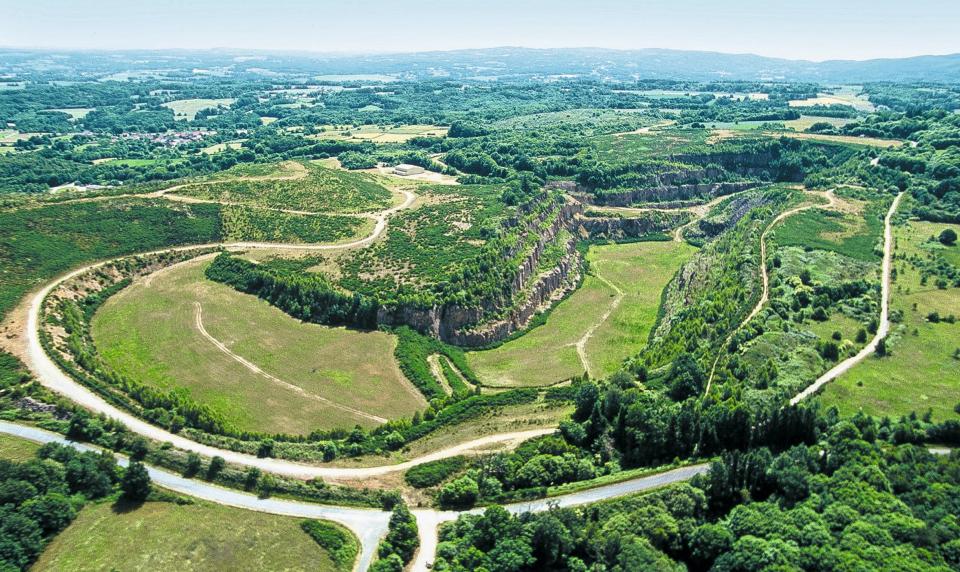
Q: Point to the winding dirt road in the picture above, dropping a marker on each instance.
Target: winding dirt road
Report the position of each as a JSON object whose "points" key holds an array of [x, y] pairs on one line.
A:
{"points": [[884, 327], [581, 344], [765, 275]]}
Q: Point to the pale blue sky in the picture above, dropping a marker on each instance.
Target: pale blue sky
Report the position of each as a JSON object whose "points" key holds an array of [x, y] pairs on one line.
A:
{"points": [[807, 29]]}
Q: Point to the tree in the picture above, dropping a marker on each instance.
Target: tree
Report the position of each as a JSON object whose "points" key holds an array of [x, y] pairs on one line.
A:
{"points": [[461, 493], [136, 482], [217, 464], [402, 536], [194, 464], [948, 237]]}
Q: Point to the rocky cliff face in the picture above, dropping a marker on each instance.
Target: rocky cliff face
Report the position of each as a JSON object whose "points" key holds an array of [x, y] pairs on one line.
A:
{"points": [[671, 193], [616, 228], [510, 309]]}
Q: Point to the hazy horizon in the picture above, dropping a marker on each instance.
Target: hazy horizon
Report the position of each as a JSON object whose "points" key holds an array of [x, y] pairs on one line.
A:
{"points": [[817, 31]]}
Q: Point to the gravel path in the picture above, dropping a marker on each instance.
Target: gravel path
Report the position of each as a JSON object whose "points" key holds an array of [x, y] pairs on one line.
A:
{"points": [[884, 326]]}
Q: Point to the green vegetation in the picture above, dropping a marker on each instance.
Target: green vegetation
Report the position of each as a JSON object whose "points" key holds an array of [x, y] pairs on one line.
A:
{"points": [[318, 368], [200, 536], [866, 506], [433, 473], [252, 224], [339, 542], [42, 495], [547, 354], [187, 109], [17, 449], [397, 548], [858, 235], [40, 243], [920, 372], [321, 190]]}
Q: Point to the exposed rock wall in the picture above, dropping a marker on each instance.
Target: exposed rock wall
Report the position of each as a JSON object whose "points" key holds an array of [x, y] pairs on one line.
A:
{"points": [[619, 227], [671, 193], [506, 311]]}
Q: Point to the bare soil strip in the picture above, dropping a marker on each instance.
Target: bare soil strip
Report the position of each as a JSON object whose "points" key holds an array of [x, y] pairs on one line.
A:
{"points": [[582, 342]]}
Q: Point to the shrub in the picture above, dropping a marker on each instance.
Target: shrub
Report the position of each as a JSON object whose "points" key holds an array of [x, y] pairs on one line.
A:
{"points": [[434, 473], [948, 237], [461, 493], [136, 482], [337, 541]]}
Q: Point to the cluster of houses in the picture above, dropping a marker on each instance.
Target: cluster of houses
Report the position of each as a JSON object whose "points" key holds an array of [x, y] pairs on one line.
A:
{"points": [[170, 138]]}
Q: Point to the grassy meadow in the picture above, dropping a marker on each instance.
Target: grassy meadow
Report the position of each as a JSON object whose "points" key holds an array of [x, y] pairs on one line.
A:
{"points": [[196, 537], [149, 332], [188, 108], [547, 354], [17, 449]]}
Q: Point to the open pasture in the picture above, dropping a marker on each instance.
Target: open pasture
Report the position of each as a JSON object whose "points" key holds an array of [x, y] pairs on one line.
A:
{"points": [[855, 232], [845, 95], [379, 134], [611, 315], [74, 112], [321, 190], [195, 537], [259, 368]]}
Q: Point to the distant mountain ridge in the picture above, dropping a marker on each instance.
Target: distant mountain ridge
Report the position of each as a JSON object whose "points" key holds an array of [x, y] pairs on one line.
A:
{"points": [[507, 62]]}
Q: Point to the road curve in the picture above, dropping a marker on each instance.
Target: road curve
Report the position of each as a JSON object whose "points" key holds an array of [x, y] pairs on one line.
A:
{"points": [[884, 326], [428, 521], [52, 377], [368, 524]]}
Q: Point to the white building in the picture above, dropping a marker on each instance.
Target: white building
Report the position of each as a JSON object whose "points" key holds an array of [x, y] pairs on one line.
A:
{"points": [[403, 170]]}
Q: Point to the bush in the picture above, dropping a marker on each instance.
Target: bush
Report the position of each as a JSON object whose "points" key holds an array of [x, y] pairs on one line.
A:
{"points": [[136, 482], [461, 493], [948, 237], [337, 541], [434, 473]]}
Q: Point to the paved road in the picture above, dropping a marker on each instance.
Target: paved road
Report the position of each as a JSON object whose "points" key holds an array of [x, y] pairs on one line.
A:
{"points": [[368, 524], [884, 326]]}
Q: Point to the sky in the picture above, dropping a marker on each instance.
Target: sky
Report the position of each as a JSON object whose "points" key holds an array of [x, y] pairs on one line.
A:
{"points": [[806, 29]]}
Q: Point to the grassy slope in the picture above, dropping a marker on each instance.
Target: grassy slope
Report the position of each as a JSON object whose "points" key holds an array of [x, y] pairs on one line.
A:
{"points": [[322, 190], [37, 244], [921, 372], [641, 271], [547, 354], [165, 536], [17, 449], [149, 332]]}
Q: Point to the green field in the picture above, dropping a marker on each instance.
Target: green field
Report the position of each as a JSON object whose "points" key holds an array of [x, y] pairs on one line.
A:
{"points": [[379, 134], [149, 332], [166, 536], [321, 190], [73, 112], [188, 108], [856, 233], [921, 372], [17, 449], [548, 354], [244, 223]]}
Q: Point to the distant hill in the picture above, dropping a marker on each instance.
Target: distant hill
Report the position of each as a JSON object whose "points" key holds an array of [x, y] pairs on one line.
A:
{"points": [[494, 63]]}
